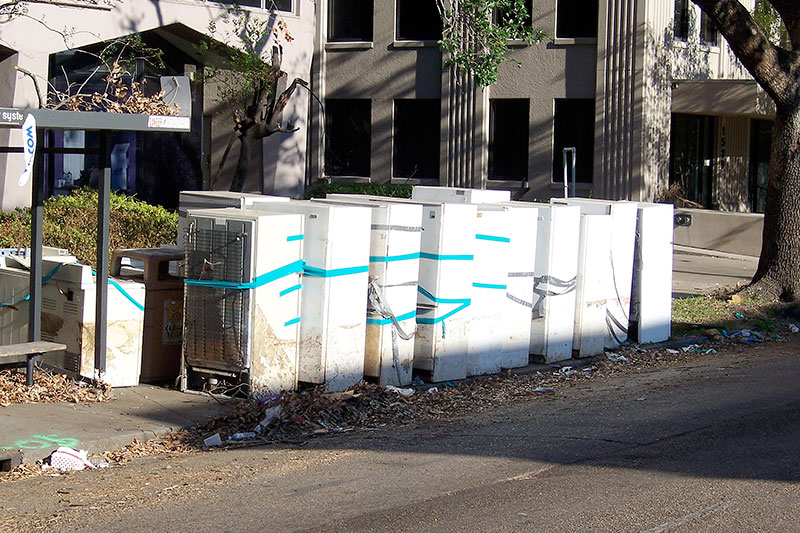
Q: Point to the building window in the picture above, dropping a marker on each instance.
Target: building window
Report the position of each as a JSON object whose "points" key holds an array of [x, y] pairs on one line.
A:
{"points": [[573, 127], [499, 15], [418, 20], [681, 20], [350, 20], [348, 134], [709, 35], [416, 138], [691, 148], [280, 5], [508, 139], [576, 19]]}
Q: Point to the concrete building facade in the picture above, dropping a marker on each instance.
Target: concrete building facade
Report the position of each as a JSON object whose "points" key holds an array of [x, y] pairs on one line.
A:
{"points": [[645, 91], [613, 80]]}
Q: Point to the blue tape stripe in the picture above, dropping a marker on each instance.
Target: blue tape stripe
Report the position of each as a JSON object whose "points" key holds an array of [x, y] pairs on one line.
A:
{"points": [[291, 238], [27, 297], [385, 321], [292, 321], [293, 288], [465, 302], [117, 286], [489, 286], [258, 281], [492, 238], [390, 258], [437, 257], [334, 272]]}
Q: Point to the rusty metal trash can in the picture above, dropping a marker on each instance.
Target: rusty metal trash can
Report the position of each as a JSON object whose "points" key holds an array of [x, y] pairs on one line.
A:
{"points": [[163, 307]]}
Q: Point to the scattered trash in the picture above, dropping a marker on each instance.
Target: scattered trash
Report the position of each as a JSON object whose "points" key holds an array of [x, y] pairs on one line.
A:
{"points": [[99, 462], [449, 383], [745, 333], [740, 316], [735, 299], [66, 459], [670, 350], [398, 390], [690, 348], [616, 358], [270, 415], [213, 440], [565, 371], [433, 390], [266, 400], [243, 436], [417, 382], [725, 334], [639, 349], [793, 328], [589, 369], [776, 337], [544, 390]]}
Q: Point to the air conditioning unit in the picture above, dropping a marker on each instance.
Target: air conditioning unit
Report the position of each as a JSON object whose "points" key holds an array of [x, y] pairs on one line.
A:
{"points": [[242, 299]]}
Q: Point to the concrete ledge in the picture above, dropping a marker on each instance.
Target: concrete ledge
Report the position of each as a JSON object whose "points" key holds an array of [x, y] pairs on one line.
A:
{"points": [[735, 233]]}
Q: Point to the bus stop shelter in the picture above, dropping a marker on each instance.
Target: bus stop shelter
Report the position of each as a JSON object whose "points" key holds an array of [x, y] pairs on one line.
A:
{"points": [[34, 123]]}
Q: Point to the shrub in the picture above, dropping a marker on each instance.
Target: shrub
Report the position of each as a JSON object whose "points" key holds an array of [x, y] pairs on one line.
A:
{"points": [[70, 222], [321, 188]]}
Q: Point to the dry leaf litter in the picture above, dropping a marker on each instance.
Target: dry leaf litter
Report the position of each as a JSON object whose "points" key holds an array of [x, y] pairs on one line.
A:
{"points": [[294, 417]]}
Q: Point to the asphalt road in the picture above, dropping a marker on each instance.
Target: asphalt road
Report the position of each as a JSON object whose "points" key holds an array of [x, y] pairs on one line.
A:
{"points": [[710, 445]]}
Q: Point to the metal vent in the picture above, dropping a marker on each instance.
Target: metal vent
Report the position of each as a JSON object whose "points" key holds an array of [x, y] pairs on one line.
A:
{"points": [[49, 304], [216, 332]]}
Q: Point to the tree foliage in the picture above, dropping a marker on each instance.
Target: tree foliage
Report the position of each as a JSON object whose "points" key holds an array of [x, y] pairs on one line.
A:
{"points": [[475, 34]]}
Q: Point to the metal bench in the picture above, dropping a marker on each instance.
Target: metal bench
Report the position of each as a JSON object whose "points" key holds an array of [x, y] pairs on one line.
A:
{"points": [[27, 354]]}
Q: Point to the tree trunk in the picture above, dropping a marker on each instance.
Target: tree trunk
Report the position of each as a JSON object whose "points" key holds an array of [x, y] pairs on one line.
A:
{"points": [[242, 164], [779, 265]]}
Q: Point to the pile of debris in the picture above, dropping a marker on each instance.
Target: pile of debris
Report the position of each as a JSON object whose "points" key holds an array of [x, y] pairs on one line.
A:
{"points": [[49, 388]]}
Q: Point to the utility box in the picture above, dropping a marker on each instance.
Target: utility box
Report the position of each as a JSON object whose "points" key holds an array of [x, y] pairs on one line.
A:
{"points": [[555, 278], [651, 306], [69, 296], [445, 286], [459, 195], [489, 328], [242, 300], [594, 289], [163, 307], [393, 275], [333, 314], [620, 276]]}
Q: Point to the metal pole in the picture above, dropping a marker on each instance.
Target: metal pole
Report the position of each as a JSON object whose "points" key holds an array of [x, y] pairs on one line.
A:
{"points": [[574, 170], [566, 187], [103, 214], [37, 218]]}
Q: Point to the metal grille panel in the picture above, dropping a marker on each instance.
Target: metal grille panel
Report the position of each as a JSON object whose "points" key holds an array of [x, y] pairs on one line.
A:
{"points": [[216, 334]]}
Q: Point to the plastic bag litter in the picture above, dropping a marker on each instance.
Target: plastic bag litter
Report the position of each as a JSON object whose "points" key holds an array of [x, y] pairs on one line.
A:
{"points": [[670, 350], [270, 415], [66, 459], [793, 328], [398, 390], [616, 358], [433, 390], [544, 390]]}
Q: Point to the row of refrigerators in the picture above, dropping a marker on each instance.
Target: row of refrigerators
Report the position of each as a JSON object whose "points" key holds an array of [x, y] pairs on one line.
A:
{"points": [[451, 283], [270, 292]]}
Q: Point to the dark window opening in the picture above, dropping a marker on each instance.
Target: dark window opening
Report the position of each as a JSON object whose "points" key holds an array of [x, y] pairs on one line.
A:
{"points": [[760, 148], [350, 20], [499, 15], [348, 133], [508, 139], [418, 20], [576, 19], [573, 127], [416, 139], [691, 157], [708, 31], [681, 20]]}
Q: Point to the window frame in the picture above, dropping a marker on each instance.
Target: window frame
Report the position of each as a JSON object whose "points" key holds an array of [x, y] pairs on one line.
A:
{"points": [[330, 110]]}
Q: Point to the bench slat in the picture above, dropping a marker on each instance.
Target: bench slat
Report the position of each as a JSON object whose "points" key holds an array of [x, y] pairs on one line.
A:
{"points": [[24, 349]]}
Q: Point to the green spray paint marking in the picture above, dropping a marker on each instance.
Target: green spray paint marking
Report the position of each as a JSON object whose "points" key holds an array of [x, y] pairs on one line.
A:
{"points": [[38, 442]]}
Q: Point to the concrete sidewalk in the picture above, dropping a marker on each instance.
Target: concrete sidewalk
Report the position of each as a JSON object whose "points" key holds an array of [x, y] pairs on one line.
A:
{"points": [[30, 432], [697, 271]]}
